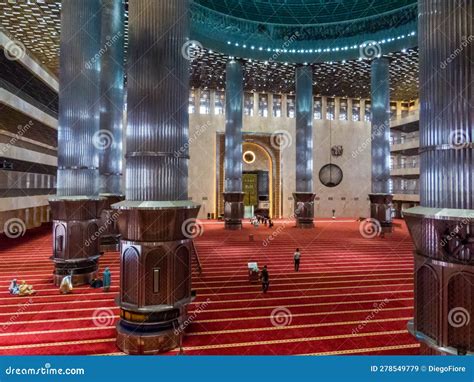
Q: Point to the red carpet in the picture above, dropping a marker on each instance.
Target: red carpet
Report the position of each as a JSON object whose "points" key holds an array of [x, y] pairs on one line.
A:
{"points": [[351, 296]]}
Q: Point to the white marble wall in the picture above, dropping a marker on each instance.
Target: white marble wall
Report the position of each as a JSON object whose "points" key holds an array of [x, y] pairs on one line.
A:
{"points": [[355, 162]]}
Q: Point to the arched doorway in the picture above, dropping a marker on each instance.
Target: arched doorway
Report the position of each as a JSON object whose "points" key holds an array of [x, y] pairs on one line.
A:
{"points": [[263, 162]]}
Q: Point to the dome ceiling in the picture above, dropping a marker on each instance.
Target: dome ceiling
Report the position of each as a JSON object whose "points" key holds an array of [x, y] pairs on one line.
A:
{"points": [[299, 12]]}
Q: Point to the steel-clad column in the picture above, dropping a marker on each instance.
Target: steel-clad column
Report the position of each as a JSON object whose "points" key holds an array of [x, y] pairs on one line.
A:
{"points": [[111, 118], [234, 98], [442, 228], [304, 196], [77, 206], [157, 221], [380, 198]]}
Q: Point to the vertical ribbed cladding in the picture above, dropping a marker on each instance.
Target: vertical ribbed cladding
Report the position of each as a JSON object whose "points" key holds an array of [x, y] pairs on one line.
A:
{"points": [[233, 128], [158, 91], [79, 97], [112, 96], [380, 90], [446, 39], [304, 129]]}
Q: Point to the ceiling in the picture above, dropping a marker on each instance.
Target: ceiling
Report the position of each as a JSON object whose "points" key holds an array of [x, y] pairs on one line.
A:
{"points": [[37, 26], [345, 79], [299, 12]]}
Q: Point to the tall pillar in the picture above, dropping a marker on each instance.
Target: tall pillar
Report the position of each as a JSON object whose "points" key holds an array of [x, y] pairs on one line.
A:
{"points": [[157, 221], [76, 208], [234, 98], [304, 196], [111, 119], [442, 228], [256, 104], [380, 198]]}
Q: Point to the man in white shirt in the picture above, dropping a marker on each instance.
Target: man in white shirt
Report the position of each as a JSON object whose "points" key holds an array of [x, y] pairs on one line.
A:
{"points": [[296, 259]]}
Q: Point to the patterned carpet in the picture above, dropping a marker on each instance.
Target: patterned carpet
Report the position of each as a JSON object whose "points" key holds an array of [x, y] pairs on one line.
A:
{"points": [[352, 295]]}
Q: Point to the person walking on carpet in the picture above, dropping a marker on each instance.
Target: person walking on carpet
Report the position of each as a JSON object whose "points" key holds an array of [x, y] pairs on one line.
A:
{"points": [[296, 258], [265, 277]]}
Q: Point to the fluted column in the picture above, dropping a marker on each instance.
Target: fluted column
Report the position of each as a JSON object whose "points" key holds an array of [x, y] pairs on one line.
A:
{"points": [[234, 99], [304, 196], [380, 198], [77, 206], [111, 118], [442, 228], [157, 221]]}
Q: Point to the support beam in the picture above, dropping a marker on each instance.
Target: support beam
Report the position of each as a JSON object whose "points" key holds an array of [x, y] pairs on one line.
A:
{"points": [[111, 119], [157, 221], [304, 196], [380, 198], [77, 206], [234, 100], [442, 228]]}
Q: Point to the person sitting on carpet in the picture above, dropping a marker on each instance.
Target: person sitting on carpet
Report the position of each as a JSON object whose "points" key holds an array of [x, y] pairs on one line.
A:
{"points": [[14, 288], [66, 285], [25, 289], [96, 283], [107, 279], [265, 277]]}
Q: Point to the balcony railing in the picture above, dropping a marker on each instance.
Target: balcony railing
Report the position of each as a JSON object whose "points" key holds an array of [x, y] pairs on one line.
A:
{"points": [[415, 191], [398, 141], [405, 165]]}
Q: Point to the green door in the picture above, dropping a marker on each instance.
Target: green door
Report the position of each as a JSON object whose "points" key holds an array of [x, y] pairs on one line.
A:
{"points": [[250, 188]]}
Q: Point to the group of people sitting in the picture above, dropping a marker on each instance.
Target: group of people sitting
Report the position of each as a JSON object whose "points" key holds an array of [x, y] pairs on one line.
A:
{"points": [[22, 289], [259, 219], [65, 287]]}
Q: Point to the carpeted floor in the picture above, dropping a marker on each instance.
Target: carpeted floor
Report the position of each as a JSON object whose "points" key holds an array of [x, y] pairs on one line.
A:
{"points": [[352, 295]]}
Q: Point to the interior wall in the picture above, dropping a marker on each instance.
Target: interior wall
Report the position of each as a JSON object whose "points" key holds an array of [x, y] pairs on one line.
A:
{"points": [[349, 199]]}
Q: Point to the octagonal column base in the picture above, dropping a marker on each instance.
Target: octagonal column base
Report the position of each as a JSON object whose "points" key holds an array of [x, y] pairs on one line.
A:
{"points": [[155, 273], [304, 209], [233, 210], [110, 235], [444, 278], [157, 333], [381, 210], [76, 237]]}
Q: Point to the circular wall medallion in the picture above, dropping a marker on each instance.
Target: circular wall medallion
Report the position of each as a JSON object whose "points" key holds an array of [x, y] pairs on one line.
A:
{"points": [[249, 157], [330, 175]]}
